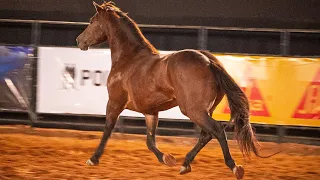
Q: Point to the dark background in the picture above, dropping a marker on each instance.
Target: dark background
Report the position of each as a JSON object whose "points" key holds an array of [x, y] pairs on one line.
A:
{"points": [[236, 13], [284, 14]]}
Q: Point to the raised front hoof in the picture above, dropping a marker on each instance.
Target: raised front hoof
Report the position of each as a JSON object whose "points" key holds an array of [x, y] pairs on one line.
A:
{"points": [[238, 171], [169, 160], [185, 170], [92, 162]]}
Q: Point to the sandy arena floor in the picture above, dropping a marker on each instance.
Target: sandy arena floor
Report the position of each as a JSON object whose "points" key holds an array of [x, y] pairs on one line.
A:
{"points": [[27, 153]]}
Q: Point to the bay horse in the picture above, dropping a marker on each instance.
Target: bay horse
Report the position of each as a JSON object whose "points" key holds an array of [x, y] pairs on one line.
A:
{"points": [[143, 81]]}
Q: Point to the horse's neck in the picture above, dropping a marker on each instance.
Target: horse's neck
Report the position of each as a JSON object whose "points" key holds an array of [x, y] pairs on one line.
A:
{"points": [[124, 43]]}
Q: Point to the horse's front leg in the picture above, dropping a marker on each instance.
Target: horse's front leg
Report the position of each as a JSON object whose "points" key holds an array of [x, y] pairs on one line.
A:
{"points": [[113, 111], [152, 123]]}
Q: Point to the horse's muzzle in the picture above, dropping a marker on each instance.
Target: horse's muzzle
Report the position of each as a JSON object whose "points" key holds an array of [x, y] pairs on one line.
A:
{"points": [[82, 46]]}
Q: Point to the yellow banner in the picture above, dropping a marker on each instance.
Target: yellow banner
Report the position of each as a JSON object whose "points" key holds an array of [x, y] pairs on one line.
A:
{"points": [[281, 90]]}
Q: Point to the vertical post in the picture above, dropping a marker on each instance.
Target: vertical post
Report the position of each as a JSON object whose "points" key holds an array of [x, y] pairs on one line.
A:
{"points": [[285, 51], [285, 43], [202, 38], [35, 41]]}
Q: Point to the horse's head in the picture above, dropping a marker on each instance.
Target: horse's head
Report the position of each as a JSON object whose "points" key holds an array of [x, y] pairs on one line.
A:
{"points": [[96, 32], [110, 23]]}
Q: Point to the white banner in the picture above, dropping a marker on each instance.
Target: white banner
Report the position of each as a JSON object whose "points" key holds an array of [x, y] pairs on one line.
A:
{"points": [[74, 81]]}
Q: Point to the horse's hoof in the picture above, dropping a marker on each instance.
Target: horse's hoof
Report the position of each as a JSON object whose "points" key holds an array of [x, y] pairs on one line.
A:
{"points": [[185, 170], [238, 171], [90, 163], [169, 160]]}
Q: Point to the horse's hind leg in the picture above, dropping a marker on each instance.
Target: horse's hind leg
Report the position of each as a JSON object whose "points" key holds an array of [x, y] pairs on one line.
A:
{"points": [[203, 140], [222, 139], [152, 123], [196, 89], [216, 129]]}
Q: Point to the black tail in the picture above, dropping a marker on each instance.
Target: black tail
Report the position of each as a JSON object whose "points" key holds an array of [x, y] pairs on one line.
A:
{"points": [[239, 107]]}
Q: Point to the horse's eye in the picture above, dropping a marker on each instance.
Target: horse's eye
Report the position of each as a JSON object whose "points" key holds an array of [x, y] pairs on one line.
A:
{"points": [[90, 22]]}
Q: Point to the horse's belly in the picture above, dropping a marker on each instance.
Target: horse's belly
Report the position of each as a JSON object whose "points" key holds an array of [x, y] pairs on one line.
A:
{"points": [[152, 104]]}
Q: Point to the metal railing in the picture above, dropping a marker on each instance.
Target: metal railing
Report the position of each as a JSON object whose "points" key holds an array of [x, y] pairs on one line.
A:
{"points": [[171, 26], [285, 34]]}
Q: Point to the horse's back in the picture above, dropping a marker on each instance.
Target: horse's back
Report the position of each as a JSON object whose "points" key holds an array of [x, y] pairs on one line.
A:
{"points": [[190, 64]]}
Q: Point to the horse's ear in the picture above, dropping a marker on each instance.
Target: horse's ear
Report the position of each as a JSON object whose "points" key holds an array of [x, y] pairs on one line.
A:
{"points": [[98, 7]]}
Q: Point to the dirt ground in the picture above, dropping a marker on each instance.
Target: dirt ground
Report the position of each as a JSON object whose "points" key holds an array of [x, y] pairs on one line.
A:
{"points": [[27, 153]]}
